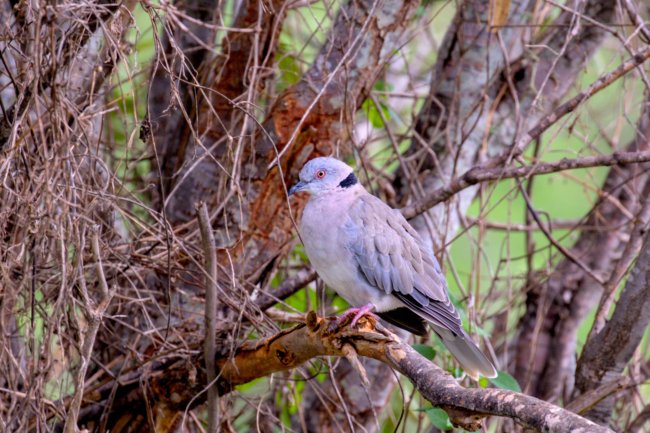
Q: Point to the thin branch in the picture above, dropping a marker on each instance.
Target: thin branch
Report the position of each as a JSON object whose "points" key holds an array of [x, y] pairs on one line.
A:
{"points": [[636, 18], [570, 105], [94, 314], [568, 254], [209, 345], [488, 172], [285, 289]]}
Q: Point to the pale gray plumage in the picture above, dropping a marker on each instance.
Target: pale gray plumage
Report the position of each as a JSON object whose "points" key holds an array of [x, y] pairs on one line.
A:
{"points": [[369, 254]]}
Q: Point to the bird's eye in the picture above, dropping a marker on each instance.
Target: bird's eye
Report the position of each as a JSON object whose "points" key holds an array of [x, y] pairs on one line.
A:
{"points": [[320, 174]]}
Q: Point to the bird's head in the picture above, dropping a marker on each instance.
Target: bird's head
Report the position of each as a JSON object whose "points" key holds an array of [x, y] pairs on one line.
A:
{"points": [[324, 174]]}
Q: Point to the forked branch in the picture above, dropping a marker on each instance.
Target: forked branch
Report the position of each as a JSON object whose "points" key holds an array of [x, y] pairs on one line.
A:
{"points": [[466, 406]]}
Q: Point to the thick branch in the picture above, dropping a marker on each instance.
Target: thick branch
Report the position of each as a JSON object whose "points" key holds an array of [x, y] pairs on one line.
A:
{"points": [[606, 355], [293, 347]]}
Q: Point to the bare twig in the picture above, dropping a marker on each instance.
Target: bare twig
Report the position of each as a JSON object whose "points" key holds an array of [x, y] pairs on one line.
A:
{"points": [[489, 172], [287, 288], [570, 105], [636, 18], [209, 345], [95, 313]]}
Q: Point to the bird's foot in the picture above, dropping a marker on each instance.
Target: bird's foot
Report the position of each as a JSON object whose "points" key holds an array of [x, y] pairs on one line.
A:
{"points": [[360, 312], [355, 314]]}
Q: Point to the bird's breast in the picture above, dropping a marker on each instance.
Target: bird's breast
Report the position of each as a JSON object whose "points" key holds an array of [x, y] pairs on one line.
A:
{"points": [[326, 236]]}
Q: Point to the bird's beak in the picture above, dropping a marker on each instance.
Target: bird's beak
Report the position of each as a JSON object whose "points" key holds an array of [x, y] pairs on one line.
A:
{"points": [[297, 187]]}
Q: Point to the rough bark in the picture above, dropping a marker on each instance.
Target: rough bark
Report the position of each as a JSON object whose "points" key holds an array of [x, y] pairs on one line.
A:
{"points": [[310, 118], [207, 120], [172, 89], [606, 354], [292, 347], [251, 220], [454, 121]]}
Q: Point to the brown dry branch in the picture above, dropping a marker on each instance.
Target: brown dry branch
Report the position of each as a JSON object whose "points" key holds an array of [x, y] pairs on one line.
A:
{"points": [[209, 345], [489, 172], [569, 106], [290, 348], [94, 311], [287, 288], [181, 51], [217, 95]]}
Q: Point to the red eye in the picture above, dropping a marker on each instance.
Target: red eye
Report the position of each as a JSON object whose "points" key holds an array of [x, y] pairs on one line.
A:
{"points": [[320, 174]]}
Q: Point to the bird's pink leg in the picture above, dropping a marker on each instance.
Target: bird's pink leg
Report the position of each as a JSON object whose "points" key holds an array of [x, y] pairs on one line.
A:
{"points": [[366, 309], [356, 314]]}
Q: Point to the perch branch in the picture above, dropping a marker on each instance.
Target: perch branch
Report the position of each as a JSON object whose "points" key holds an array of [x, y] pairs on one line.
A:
{"points": [[293, 347]]}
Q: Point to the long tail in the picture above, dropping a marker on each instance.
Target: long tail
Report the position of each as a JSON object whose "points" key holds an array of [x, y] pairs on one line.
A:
{"points": [[470, 357]]}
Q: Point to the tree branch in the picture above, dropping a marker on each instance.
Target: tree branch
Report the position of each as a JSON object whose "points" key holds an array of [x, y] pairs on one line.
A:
{"points": [[608, 352], [292, 347], [570, 105], [489, 172], [557, 304], [287, 288], [209, 345]]}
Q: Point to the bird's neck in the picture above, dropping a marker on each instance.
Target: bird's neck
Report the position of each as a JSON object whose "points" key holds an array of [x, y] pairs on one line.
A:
{"points": [[340, 194]]}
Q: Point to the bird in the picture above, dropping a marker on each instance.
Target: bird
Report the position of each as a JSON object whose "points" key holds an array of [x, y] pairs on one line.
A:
{"points": [[373, 258]]}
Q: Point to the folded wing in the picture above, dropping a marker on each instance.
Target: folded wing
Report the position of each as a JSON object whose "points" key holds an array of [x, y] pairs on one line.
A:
{"points": [[393, 258]]}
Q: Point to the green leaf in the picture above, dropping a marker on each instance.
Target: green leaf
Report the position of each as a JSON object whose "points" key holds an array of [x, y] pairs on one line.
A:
{"points": [[371, 111], [506, 381], [439, 418], [289, 70], [424, 350]]}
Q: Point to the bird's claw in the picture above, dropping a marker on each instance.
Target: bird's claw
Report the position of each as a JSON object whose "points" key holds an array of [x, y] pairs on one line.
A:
{"points": [[365, 310], [355, 314]]}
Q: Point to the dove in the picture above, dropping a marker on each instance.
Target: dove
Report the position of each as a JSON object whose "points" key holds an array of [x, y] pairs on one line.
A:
{"points": [[370, 255]]}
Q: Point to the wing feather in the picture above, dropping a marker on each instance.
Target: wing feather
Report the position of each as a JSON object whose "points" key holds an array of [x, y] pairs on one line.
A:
{"points": [[392, 257]]}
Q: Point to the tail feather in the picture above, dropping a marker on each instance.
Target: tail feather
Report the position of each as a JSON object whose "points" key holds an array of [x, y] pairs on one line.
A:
{"points": [[469, 356]]}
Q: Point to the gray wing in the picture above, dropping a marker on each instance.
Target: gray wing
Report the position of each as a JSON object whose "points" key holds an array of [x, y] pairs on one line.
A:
{"points": [[392, 257]]}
